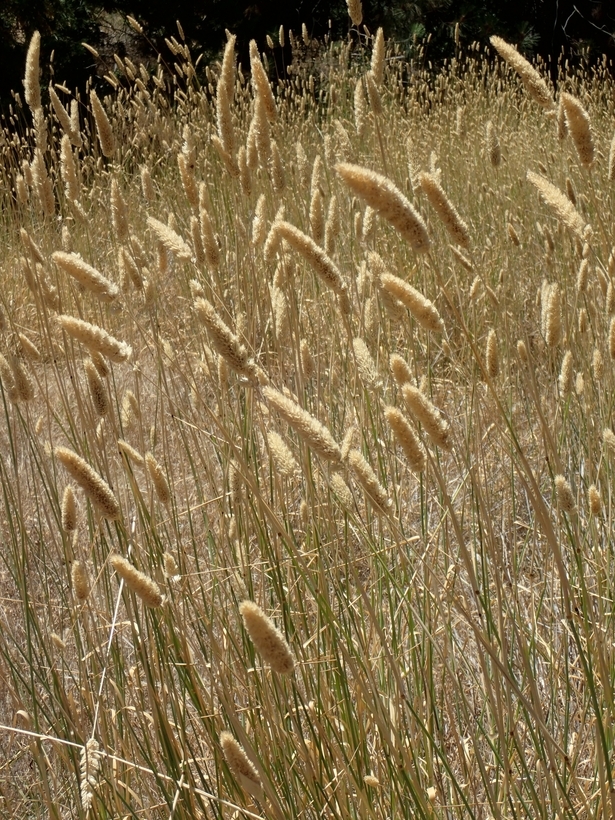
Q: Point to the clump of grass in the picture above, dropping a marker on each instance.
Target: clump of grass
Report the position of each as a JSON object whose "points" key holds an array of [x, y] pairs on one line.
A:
{"points": [[351, 375]]}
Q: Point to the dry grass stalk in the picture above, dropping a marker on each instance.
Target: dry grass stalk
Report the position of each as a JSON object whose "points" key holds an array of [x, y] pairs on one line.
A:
{"points": [[139, 583], [94, 487], [388, 201], [267, 638], [308, 428]]}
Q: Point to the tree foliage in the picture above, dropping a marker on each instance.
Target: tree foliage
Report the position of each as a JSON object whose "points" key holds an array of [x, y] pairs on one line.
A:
{"points": [[536, 26]]}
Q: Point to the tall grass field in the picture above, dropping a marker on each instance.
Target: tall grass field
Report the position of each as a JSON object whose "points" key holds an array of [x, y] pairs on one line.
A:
{"points": [[307, 456]]}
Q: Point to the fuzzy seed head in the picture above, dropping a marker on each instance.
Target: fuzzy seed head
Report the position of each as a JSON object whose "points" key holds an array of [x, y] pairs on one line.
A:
{"points": [[531, 79], [69, 510], [95, 338], [367, 478], [281, 455], [594, 500], [491, 355], [565, 375], [388, 201], [565, 498], [86, 275], [424, 311], [103, 126], [267, 638], [315, 434], [139, 583], [159, 480], [94, 487], [80, 580], [428, 415], [406, 438], [580, 129], [559, 202], [400, 370], [240, 765], [456, 227]]}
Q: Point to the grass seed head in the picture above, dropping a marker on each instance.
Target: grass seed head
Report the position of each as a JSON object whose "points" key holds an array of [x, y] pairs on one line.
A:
{"points": [[267, 638], [580, 129], [406, 438], [139, 583], [103, 126], [308, 428], [69, 510], [388, 201], [86, 275], [454, 224], [240, 765], [94, 487], [95, 338], [531, 79], [80, 580], [560, 204], [424, 311], [368, 480], [32, 86], [156, 473], [428, 415], [565, 498]]}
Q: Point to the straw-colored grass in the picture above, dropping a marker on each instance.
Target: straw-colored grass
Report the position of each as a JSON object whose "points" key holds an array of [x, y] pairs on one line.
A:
{"points": [[305, 410]]}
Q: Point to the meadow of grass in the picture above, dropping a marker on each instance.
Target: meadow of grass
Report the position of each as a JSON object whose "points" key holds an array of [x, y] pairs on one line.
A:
{"points": [[306, 453]]}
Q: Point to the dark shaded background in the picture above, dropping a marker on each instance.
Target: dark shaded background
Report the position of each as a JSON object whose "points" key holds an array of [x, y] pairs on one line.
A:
{"points": [[542, 27]]}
